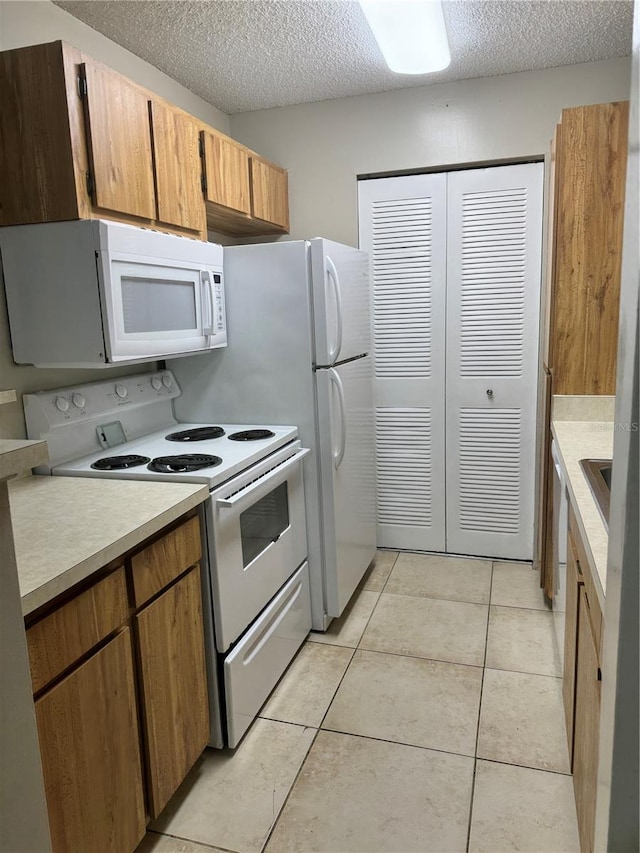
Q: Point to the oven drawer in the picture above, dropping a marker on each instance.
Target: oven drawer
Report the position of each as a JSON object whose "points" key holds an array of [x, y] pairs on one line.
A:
{"points": [[253, 668]]}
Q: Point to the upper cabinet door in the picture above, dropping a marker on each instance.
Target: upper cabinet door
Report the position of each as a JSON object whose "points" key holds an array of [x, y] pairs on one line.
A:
{"points": [[119, 142], [270, 192], [226, 168], [177, 167]]}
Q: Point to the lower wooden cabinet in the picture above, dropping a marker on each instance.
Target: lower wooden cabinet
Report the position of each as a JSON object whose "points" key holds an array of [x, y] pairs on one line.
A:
{"points": [[119, 678], [581, 682], [586, 727], [88, 731], [174, 707]]}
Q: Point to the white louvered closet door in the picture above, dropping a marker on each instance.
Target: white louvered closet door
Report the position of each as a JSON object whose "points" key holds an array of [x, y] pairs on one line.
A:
{"points": [[403, 228], [493, 297]]}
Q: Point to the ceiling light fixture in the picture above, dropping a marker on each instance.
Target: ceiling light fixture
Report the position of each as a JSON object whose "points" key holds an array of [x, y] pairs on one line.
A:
{"points": [[410, 33]]}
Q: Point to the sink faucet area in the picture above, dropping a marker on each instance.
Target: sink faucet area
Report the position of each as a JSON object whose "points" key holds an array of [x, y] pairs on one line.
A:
{"points": [[598, 474]]}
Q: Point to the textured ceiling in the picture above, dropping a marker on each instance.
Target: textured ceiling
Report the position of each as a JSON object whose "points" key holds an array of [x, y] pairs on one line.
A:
{"points": [[251, 54]]}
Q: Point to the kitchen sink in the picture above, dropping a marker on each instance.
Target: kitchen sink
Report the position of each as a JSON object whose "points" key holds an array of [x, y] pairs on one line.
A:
{"points": [[598, 474]]}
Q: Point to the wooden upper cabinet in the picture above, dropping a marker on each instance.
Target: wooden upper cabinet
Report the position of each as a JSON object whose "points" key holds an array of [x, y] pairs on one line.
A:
{"points": [[226, 171], [37, 169], [80, 141], [177, 167], [591, 155], [119, 142], [269, 193]]}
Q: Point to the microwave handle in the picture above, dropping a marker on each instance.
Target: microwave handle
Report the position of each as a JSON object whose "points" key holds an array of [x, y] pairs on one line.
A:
{"points": [[207, 299], [248, 491]]}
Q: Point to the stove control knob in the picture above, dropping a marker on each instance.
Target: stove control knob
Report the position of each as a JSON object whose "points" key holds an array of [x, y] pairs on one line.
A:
{"points": [[156, 383], [78, 401], [121, 391], [167, 380], [62, 404]]}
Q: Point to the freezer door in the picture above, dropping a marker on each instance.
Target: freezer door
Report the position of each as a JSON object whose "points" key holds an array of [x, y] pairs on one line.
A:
{"points": [[347, 472], [340, 282]]}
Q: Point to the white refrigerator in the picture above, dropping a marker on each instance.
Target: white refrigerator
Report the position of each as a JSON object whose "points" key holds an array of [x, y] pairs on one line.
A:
{"points": [[298, 353]]}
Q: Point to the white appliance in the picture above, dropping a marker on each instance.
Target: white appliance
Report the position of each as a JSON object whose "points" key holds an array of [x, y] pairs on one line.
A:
{"points": [[255, 574], [298, 352], [91, 293]]}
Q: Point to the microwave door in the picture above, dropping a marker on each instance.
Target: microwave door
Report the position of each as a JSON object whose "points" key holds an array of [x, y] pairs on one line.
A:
{"points": [[154, 310]]}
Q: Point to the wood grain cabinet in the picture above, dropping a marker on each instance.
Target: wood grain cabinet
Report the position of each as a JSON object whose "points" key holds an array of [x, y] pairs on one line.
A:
{"points": [[91, 763], [244, 193], [582, 681], [581, 292], [119, 678], [82, 141]]}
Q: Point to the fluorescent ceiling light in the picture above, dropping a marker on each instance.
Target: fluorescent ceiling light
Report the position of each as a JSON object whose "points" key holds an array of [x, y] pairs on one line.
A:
{"points": [[410, 33]]}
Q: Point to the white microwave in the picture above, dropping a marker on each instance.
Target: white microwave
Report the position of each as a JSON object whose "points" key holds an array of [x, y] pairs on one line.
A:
{"points": [[93, 293]]}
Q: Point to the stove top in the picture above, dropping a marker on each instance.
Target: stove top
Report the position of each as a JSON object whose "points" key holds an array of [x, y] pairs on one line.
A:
{"points": [[197, 434], [251, 435], [151, 457], [118, 463], [183, 463]]}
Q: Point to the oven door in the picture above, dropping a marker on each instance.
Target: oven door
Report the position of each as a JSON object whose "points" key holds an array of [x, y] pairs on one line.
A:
{"points": [[257, 539], [159, 308]]}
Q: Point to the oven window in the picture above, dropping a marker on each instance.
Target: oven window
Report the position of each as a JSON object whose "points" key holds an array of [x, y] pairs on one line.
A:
{"points": [[158, 305], [263, 523]]}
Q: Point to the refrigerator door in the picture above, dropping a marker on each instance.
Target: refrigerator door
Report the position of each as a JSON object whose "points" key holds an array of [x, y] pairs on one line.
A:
{"points": [[347, 475], [340, 282]]}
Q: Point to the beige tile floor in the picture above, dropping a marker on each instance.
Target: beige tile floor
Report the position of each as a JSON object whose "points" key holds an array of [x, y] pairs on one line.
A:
{"points": [[428, 718]]}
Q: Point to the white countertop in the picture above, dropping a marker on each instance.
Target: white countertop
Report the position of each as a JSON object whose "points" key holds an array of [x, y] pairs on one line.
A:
{"points": [[66, 528], [576, 440], [17, 456]]}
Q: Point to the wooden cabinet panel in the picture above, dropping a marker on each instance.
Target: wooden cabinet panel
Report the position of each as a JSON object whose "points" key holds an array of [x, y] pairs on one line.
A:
{"points": [[591, 160], [70, 631], [177, 168], [226, 169], [88, 735], [269, 193], [161, 562], [574, 585], [587, 727], [119, 141], [174, 687], [37, 181]]}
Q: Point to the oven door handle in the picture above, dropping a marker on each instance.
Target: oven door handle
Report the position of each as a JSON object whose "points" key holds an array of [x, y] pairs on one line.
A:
{"points": [[250, 490]]}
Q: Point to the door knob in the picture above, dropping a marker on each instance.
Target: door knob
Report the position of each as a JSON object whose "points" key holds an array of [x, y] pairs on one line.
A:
{"points": [[489, 392]]}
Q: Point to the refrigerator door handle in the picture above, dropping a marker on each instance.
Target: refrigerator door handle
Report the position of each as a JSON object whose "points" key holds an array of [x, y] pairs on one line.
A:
{"points": [[338, 454], [332, 275]]}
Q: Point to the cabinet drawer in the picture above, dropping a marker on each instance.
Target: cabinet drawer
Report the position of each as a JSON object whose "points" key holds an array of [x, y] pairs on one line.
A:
{"points": [[69, 632], [157, 565]]}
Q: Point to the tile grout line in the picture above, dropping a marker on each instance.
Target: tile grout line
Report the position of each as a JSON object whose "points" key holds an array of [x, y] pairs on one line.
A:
{"points": [[484, 666], [319, 729], [293, 784]]}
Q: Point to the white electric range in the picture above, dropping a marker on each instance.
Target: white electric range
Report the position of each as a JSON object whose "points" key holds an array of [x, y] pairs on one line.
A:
{"points": [[255, 579]]}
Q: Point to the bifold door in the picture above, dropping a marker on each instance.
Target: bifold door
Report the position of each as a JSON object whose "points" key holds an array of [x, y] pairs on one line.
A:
{"points": [[455, 271], [403, 227]]}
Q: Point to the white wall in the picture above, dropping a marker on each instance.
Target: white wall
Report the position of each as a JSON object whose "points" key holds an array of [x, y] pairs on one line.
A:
{"points": [[35, 22], [324, 145]]}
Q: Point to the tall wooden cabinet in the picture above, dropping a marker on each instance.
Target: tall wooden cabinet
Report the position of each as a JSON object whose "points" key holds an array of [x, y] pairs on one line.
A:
{"points": [[581, 296]]}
